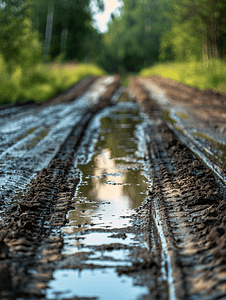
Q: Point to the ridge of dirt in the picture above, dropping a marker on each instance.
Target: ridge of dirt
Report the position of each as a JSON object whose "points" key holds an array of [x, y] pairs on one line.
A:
{"points": [[201, 126], [191, 203], [72, 92], [28, 235], [166, 82], [18, 104], [207, 105]]}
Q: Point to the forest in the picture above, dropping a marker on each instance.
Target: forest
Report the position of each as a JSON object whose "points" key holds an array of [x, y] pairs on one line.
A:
{"points": [[41, 40]]}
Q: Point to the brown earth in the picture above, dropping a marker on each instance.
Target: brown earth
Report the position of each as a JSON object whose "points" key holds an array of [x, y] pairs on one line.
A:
{"points": [[192, 203], [208, 105], [186, 201]]}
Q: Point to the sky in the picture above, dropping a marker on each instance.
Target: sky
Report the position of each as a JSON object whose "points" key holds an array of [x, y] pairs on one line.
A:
{"points": [[101, 19]]}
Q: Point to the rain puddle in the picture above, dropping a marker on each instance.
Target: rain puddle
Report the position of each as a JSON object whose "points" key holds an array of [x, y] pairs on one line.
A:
{"points": [[94, 284], [100, 235]]}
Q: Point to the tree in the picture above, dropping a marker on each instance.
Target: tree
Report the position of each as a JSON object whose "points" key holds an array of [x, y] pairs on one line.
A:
{"points": [[133, 39], [64, 26], [205, 26], [19, 43]]}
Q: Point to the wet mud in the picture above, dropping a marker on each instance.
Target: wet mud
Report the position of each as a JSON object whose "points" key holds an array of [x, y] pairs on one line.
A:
{"points": [[196, 117], [103, 199], [190, 201]]}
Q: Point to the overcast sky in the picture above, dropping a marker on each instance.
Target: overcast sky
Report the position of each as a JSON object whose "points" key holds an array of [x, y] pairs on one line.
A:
{"points": [[101, 19]]}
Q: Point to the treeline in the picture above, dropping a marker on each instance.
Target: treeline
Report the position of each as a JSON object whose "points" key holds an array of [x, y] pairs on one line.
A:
{"points": [[145, 32], [151, 30], [133, 39], [35, 29], [34, 32], [197, 30], [65, 28]]}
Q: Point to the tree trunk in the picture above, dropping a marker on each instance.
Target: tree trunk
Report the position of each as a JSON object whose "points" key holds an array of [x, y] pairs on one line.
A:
{"points": [[49, 27], [63, 41]]}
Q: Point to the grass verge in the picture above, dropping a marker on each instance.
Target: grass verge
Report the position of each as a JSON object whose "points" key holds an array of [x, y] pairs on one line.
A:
{"points": [[209, 75], [42, 81]]}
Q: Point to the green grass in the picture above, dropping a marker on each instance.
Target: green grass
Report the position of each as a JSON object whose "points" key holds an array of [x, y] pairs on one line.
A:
{"points": [[204, 136], [182, 116], [124, 80], [124, 97], [166, 116], [211, 75], [42, 81], [179, 128], [35, 140], [30, 131]]}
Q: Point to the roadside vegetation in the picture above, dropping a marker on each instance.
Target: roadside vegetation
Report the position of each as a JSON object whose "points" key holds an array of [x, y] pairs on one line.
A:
{"points": [[184, 40], [211, 75], [38, 42], [42, 81]]}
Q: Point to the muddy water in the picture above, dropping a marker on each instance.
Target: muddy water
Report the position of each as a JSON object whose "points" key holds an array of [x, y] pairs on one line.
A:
{"points": [[99, 236]]}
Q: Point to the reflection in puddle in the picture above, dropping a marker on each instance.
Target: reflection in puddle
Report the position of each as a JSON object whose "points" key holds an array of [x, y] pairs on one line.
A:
{"points": [[98, 284], [112, 181], [96, 239], [99, 231]]}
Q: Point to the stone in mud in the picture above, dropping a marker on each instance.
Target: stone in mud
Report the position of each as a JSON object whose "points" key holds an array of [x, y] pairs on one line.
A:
{"points": [[223, 129]]}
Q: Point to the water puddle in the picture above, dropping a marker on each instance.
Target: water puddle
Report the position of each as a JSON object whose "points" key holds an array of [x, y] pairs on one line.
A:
{"points": [[94, 284], [112, 183], [99, 236]]}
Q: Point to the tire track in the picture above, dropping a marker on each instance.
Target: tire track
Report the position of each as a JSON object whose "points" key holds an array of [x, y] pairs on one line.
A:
{"points": [[30, 227], [189, 203], [21, 159]]}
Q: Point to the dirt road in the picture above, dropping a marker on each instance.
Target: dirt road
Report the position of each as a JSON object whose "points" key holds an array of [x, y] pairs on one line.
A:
{"points": [[114, 193]]}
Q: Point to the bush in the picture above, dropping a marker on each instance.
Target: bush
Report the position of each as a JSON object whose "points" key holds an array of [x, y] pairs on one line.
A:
{"points": [[41, 81]]}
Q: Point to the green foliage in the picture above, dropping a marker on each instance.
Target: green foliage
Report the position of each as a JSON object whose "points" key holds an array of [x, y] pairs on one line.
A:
{"points": [[198, 30], [184, 43], [124, 80], [7, 88], [132, 41], [70, 32], [19, 43], [23, 76], [211, 75], [41, 81]]}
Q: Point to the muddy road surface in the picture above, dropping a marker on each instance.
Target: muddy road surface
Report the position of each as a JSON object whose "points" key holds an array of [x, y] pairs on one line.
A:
{"points": [[109, 192]]}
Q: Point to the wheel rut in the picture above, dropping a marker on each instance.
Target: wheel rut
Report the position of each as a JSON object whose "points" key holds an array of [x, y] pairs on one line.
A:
{"points": [[111, 203], [188, 198]]}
